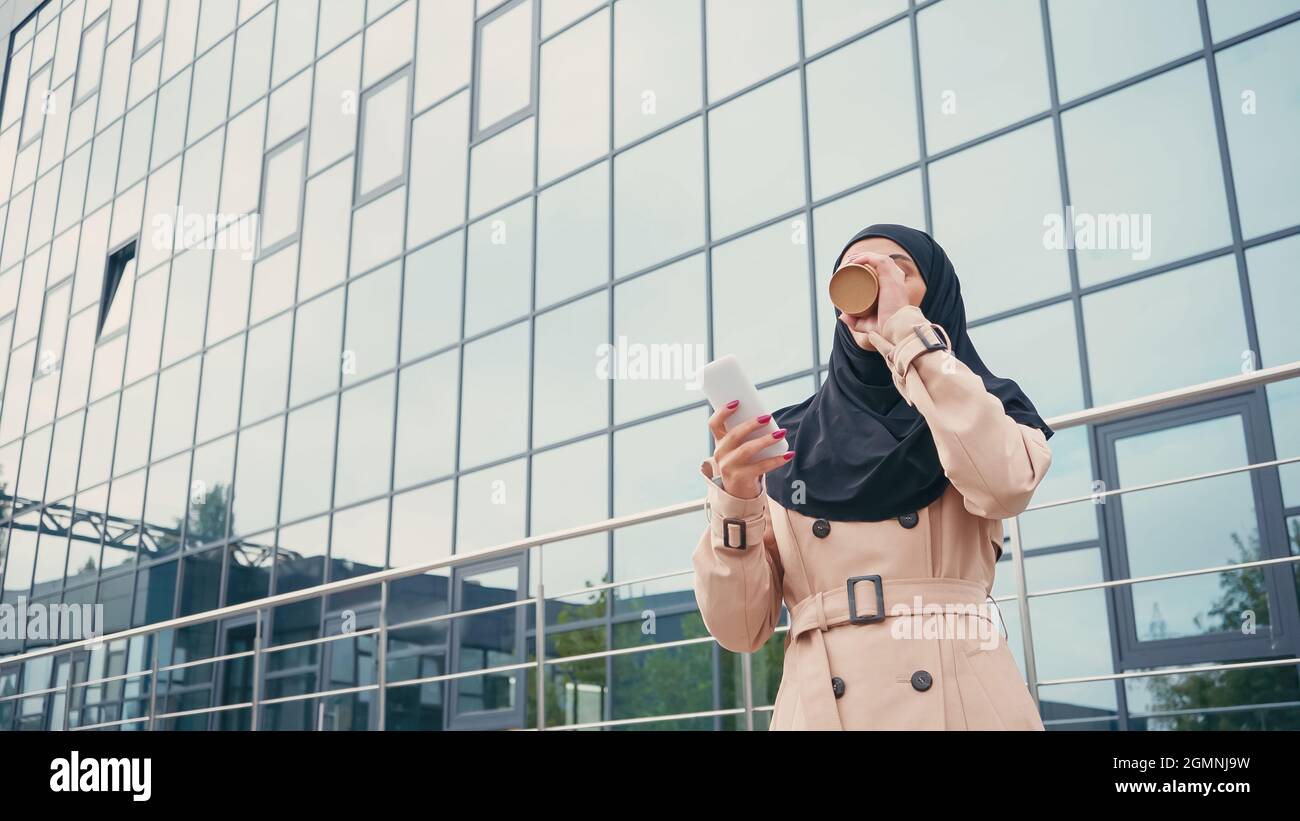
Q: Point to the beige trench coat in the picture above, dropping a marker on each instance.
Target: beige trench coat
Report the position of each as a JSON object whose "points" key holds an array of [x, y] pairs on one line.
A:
{"points": [[936, 661]]}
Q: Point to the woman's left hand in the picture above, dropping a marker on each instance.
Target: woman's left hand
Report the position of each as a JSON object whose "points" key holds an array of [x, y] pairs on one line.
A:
{"points": [[893, 295]]}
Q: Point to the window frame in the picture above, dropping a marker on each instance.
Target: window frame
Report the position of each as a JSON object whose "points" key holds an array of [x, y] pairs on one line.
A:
{"points": [[80, 95], [265, 251], [359, 197], [477, 134]]}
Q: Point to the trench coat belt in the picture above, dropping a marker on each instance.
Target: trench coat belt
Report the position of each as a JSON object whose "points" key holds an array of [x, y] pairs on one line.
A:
{"points": [[824, 610]]}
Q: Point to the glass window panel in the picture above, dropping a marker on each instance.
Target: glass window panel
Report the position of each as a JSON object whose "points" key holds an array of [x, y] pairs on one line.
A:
{"points": [[241, 180], [293, 49], [209, 491], [826, 22], [1039, 350], [444, 42], [1211, 332], [431, 306], [570, 487], [63, 457], [571, 396], [438, 167], [146, 325], [847, 141], [490, 506], [187, 300], [1254, 80], [144, 75], [495, 393], [90, 60], [216, 20], [1077, 639], [365, 448], [1284, 411], [747, 272], [657, 65], [1000, 252], [182, 28], [197, 218], [165, 500], [282, 193], [501, 168], [1232, 17], [134, 424], [558, 13], [370, 341], [1213, 522], [573, 235], [273, 281], [377, 231], [257, 477], [309, 461], [421, 525], [1273, 276], [338, 21], [970, 81], [359, 541], [658, 463], [390, 43], [426, 419], [654, 344], [232, 277], [178, 391], [211, 87], [1165, 188], [266, 373], [505, 65], [384, 114], [1138, 36], [290, 109], [769, 44], [325, 230], [498, 282], [97, 442], [169, 125], [756, 156], [40, 102], [573, 119], [333, 125], [659, 183], [317, 342], [253, 50]]}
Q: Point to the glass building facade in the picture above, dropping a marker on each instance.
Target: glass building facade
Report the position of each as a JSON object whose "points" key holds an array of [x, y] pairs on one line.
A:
{"points": [[296, 290]]}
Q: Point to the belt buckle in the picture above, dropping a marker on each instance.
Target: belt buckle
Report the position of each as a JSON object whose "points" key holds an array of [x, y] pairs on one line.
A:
{"points": [[879, 615], [726, 533]]}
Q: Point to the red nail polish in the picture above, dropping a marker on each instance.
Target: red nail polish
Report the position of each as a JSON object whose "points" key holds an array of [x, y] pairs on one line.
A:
{"points": [[764, 419], [789, 454], [778, 434], [733, 404]]}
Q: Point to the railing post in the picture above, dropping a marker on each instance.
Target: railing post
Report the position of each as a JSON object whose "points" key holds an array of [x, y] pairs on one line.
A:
{"points": [[381, 675], [257, 669], [539, 642], [153, 680], [1022, 598], [747, 686], [67, 691]]}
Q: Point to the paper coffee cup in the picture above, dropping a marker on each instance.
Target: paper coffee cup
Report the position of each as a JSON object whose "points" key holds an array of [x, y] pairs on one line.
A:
{"points": [[854, 288]]}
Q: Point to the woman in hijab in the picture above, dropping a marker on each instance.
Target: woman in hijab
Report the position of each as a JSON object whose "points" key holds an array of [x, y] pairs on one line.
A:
{"points": [[879, 529]]}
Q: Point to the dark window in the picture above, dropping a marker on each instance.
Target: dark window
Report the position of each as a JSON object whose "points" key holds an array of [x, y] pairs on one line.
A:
{"points": [[117, 265]]}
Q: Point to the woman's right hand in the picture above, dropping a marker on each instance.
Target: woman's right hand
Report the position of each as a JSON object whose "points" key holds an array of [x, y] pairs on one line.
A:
{"points": [[735, 458]]}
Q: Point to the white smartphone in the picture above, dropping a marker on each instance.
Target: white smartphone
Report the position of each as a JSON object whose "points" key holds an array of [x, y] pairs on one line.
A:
{"points": [[723, 381]]}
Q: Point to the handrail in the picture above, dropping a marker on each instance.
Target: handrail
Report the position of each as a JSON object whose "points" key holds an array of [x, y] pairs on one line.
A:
{"points": [[1111, 412]]}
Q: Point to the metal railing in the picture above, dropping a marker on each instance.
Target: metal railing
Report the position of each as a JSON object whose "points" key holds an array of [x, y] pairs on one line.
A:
{"points": [[150, 716]]}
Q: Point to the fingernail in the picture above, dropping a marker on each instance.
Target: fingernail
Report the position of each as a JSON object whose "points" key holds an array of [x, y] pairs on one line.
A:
{"points": [[779, 434], [764, 419], [732, 404], [789, 454]]}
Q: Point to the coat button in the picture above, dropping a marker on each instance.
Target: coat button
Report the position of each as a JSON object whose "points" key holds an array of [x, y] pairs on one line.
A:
{"points": [[908, 520], [821, 528], [921, 681], [837, 685]]}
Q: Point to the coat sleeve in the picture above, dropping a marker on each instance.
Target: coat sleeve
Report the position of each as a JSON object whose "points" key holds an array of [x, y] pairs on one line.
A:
{"points": [[994, 461], [738, 589]]}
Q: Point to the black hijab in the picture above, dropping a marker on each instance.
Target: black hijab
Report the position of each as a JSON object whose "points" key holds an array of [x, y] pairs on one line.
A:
{"points": [[861, 452]]}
